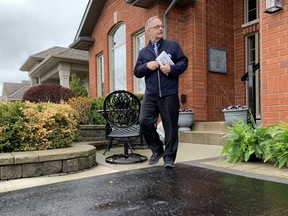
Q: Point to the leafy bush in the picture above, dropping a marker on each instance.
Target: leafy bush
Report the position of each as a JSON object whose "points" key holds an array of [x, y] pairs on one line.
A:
{"points": [[12, 126], [241, 142], [276, 148], [77, 86], [139, 96], [48, 93], [28, 126], [266, 143], [83, 106], [95, 117]]}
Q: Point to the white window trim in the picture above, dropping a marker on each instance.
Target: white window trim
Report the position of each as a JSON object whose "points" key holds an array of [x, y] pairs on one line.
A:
{"points": [[135, 55], [100, 62]]}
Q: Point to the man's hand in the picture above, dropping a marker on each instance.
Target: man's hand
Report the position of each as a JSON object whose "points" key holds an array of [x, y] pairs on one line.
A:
{"points": [[152, 65], [166, 69]]}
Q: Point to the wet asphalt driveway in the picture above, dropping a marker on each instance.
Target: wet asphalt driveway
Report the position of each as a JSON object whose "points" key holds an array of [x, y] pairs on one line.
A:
{"points": [[186, 190]]}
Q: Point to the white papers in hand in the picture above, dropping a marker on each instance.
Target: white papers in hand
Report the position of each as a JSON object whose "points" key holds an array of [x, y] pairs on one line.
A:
{"points": [[164, 58]]}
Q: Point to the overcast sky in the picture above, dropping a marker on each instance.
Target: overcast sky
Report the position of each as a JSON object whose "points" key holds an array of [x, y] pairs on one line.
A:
{"points": [[31, 26]]}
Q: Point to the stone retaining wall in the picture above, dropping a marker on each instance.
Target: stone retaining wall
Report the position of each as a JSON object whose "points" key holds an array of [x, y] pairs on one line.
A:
{"points": [[46, 162]]}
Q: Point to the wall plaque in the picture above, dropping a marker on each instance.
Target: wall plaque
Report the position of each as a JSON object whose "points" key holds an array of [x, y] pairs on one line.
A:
{"points": [[217, 60]]}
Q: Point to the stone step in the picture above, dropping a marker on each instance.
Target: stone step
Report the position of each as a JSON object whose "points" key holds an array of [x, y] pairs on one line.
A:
{"points": [[203, 137], [210, 133], [210, 126]]}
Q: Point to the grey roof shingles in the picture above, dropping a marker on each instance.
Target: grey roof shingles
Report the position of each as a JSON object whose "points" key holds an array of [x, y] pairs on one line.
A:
{"points": [[14, 91]]}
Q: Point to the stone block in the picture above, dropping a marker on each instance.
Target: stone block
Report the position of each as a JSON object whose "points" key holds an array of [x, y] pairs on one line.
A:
{"points": [[54, 155], [32, 170], [92, 160], [11, 172], [6, 159], [25, 157], [52, 167], [70, 165], [84, 163]]}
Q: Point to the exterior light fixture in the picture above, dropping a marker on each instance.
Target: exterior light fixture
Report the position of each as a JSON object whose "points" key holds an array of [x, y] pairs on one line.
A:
{"points": [[272, 6]]}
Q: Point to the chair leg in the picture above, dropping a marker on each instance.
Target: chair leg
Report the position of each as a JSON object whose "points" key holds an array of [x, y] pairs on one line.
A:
{"points": [[130, 145], [109, 145]]}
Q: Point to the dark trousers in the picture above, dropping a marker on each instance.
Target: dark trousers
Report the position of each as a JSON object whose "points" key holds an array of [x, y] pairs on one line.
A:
{"points": [[168, 108]]}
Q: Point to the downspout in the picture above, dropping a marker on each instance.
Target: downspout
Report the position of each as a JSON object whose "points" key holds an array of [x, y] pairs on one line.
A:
{"points": [[165, 16]]}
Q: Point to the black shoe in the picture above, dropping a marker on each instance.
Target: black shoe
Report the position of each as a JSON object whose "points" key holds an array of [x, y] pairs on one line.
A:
{"points": [[155, 158], [169, 164]]}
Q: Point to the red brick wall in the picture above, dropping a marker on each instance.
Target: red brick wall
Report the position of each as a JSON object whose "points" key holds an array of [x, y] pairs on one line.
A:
{"points": [[220, 34], [274, 65], [204, 23], [208, 23]]}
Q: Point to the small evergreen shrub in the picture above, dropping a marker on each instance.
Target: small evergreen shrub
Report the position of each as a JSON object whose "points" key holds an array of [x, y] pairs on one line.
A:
{"points": [[48, 93], [77, 86]]}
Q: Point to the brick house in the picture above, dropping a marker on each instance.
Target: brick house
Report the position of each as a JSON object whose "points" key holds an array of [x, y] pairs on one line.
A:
{"points": [[221, 38]]}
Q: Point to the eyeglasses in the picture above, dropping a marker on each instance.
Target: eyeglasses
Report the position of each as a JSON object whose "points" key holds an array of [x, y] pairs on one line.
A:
{"points": [[157, 27]]}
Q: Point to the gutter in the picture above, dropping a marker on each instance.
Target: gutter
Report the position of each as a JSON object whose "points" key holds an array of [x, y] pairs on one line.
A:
{"points": [[165, 16]]}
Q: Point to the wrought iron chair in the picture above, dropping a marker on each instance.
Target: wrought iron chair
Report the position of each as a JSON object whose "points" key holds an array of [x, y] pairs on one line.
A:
{"points": [[121, 110]]}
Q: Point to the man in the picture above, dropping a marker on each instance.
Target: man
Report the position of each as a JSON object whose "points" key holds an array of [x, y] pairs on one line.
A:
{"points": [[161, 93]]}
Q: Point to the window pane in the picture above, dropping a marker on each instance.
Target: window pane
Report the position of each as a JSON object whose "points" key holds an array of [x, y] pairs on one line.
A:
{"points": [[251, 50], [119, 36], [119, 59], [120, 68], [140, 43], [252, 10]]}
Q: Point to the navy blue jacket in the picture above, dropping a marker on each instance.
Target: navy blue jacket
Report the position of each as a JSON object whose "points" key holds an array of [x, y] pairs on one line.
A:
{"points": [[157, 83]]}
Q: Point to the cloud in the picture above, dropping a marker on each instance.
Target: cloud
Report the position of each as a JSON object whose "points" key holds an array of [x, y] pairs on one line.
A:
{"points": [[31, 26]]}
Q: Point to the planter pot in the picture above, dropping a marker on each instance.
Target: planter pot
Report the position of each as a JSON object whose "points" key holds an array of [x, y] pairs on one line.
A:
{"points": [[185, 121], [233, 115]]}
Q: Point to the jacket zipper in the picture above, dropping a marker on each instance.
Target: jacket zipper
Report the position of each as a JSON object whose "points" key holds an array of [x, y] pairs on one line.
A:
{"points": [[158, 74]]}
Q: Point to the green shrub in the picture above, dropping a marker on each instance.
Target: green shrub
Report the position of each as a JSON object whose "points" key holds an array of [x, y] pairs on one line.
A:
{"points": [[95, 117], [11, 126], [29, 126], [276, 148], [77, 86], [241, 142], [266, 143], [48, 92]]}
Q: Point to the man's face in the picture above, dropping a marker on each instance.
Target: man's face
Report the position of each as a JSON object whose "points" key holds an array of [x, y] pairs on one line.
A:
{"points": [[155, 30]]}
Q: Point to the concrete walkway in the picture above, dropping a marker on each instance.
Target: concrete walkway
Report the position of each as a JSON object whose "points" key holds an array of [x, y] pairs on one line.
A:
{"points": [[206, 156]]}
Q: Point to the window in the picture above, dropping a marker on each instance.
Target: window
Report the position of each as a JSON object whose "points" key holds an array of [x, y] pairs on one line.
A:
{"points": [[251, 49], [118, 48], [139, 44], [251, 10], [100, 75], [252, 57]]}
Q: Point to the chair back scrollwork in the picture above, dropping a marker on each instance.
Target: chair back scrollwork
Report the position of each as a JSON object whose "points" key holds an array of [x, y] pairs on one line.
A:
{"points": [[121, 109]]}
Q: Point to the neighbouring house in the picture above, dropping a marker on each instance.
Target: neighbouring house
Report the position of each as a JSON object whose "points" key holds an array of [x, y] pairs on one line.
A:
{"points": [[221, 38], [14, 91], [56, 65]]}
